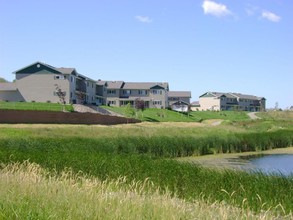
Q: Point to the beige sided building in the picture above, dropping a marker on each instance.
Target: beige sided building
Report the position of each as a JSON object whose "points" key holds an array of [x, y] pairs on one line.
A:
{"points": [[216, 101], [39, 82]]}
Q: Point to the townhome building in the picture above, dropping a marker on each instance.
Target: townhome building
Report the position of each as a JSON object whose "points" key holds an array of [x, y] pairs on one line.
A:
{"points": [[231, 101], [120, 93]]}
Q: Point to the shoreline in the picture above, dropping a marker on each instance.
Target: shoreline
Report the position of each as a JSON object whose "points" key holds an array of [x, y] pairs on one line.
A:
{"points": [[231, 160]]}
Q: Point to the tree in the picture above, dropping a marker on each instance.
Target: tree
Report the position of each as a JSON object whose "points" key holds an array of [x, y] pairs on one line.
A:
{"points": [[129, 111], [139, 105], [61, 95], [81, 97]]}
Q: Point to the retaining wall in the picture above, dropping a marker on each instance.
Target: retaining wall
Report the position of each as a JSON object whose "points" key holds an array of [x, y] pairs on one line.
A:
{"points": [[50, 117]]}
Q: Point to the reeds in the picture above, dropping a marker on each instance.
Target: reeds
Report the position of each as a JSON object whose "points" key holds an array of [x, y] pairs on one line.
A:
{"points": [[30, 192]]}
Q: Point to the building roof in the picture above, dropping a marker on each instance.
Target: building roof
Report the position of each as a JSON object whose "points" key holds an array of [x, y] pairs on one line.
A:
{"points": [[35, 67], [64, 70], [243, 96], [179, 94], [231, 95], [8, 87], [114, 84], [195, 103], [180, 102], [144, 85]]}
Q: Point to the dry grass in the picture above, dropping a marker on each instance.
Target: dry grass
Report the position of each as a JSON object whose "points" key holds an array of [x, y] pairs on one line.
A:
{"points": [[27, 191]]}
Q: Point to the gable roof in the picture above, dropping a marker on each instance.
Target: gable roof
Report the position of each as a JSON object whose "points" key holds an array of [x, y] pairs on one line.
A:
{"points": [[8, 87], [243, 96], [179, 94], [217, 95], [66, 70], [34, 67], [114, 84], [145, 85], [231, 95]]}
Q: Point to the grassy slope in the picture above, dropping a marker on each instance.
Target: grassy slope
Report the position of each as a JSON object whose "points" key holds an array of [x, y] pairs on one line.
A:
{"points": [[34, 106], [165, 115]]}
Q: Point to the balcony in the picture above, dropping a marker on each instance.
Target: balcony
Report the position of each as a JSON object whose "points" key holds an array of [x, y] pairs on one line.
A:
{"points": [[80, 85]]}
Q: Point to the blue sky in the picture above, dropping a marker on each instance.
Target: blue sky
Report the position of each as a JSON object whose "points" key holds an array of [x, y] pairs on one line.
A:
{"points": [[241, 46]]}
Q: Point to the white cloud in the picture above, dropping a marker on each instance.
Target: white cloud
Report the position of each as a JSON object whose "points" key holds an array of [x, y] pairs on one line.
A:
{"points": [[271, 16], [214, 8], [143, 19]]}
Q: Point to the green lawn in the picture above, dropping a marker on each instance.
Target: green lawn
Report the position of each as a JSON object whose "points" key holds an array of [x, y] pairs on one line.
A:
{"points": [[165, 115], [35, 106]]}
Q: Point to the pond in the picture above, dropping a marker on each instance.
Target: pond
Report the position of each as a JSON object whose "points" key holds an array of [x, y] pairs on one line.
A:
{"points": [[275, 163]]}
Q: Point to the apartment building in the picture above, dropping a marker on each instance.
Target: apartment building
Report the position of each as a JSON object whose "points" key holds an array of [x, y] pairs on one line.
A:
{"points": [[120, 93], [231, 101], [40, 82]]}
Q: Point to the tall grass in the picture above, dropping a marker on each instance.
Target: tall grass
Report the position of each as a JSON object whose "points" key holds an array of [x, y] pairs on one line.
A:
{"points": [[28, 191], [185, 180], [154, 146], [146, 155]]}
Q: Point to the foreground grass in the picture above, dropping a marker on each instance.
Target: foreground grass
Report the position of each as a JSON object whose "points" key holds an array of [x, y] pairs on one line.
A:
{"points": [[138, 151], [35, 106], [28, 191], [254, 191]]}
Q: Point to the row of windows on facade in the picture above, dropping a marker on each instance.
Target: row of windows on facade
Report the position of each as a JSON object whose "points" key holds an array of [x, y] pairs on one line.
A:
{"points": [[113, 102], [64, 94], [62, 77], [234, 100], [140, 92]]}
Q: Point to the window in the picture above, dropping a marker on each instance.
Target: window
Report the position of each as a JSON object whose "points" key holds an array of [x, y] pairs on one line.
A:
{"points": [[157, 92], [157, 102], [112, 102], [142, 92], [126, 92], [59, 77], [111, 91]]}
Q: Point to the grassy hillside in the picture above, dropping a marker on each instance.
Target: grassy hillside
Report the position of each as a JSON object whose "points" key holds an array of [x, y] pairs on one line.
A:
{"points": [[165, 115], [34, 106], [276, 115]]}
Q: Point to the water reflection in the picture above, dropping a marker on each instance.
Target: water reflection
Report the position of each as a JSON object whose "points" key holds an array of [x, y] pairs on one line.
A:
{"points": [[270, 164]]}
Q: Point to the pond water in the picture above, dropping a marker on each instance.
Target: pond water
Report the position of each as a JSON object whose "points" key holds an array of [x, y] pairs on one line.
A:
{"points": [[277, 163]]}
